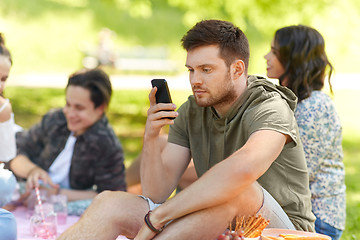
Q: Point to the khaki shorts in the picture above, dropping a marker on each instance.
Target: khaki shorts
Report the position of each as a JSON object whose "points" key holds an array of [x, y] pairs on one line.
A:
{"points": [[269, 210], [272, 210], [152, 205]]}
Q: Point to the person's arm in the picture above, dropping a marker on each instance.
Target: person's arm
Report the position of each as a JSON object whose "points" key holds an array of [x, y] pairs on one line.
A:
{"points": [[6, 110], [73, 195], [159, 178], [30, 145], [23, 167], [217, 186], [188, 177]]}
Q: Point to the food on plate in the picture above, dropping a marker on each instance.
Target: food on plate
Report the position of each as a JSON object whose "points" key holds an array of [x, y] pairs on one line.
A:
{"points": [[272, 238], [286, 234], [245, 227], [298, 237]]}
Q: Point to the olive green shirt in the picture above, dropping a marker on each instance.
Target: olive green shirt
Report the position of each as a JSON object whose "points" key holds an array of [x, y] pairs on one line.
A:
{"points": [[263, 105]]}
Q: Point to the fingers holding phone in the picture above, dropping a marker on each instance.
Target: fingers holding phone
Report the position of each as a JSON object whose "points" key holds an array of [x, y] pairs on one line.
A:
{"points": [[159, 114], [162, 99]]}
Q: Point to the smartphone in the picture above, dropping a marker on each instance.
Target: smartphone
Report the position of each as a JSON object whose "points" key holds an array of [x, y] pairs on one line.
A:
{"points": [[163, 94]]}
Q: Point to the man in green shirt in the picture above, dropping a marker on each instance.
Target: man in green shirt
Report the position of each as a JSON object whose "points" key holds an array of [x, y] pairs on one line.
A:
{"points": [[243, 138]]}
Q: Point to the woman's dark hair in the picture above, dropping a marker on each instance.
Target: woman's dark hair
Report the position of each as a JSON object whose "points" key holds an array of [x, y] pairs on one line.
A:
{"points": [[3, 50], [96, 81], [301, 51], [232, 41]]}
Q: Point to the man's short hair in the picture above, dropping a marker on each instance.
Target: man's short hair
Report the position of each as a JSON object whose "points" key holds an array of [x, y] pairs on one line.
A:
{"points": [[232, 41], [94, 80]]}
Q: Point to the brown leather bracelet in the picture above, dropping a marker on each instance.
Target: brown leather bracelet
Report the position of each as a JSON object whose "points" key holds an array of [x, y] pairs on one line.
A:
{"points": [[149, 224]]}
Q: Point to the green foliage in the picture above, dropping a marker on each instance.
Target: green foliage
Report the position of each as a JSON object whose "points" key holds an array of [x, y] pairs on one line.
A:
{"points": [[31, 103], [55, 34], [51, 35], [352, 179]]}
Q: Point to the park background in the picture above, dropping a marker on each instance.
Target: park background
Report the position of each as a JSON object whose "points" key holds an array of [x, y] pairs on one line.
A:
{"points": [[49, 39]]}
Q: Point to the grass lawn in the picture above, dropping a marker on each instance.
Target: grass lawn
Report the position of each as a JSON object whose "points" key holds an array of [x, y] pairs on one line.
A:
{"points": [[127, 114]]}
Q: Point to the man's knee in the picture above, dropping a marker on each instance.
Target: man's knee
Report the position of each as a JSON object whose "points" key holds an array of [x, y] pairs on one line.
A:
{"points": [[108, 197], [103, 196], [249, 200]]}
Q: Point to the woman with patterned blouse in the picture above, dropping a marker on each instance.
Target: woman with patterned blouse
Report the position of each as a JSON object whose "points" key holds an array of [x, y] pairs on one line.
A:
{"points": [[298, 59]]}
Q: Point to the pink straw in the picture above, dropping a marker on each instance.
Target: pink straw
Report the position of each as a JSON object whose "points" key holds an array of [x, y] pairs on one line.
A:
{"points": [[41, 210]]}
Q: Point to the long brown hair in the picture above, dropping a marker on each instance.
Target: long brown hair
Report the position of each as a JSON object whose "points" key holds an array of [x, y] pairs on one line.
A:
{"points": [[3, 49], [301, 51]]}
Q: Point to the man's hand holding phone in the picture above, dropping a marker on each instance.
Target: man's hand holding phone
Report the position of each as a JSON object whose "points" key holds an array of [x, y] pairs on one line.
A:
{"points": [[162, 94], [162, 110]]}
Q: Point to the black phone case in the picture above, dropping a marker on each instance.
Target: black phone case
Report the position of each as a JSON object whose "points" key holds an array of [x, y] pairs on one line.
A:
{"points": [[163, 94]]}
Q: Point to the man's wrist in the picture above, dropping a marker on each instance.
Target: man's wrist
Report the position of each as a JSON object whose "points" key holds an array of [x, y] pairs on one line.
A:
{"points": [[150, 225], [150, 137], [31, 171]]}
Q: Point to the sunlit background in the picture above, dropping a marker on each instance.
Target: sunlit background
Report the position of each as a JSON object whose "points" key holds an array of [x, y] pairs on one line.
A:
{"points": [[58, 37], [52, 35], [49, 39]]}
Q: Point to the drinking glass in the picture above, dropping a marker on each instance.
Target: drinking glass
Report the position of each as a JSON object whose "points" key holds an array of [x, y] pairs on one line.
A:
{"points": [[60, 207], [43, 224]]}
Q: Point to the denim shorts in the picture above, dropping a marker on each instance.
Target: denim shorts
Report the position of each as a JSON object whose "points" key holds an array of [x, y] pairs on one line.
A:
{"points": [[324, 228]]}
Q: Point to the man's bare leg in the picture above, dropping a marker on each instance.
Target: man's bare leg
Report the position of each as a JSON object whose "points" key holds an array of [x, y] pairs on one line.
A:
{"points": [[210, 223], [111, 214]]}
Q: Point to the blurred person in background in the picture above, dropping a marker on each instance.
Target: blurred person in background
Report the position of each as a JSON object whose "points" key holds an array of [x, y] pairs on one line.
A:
{"points": [[106, 48], [7, 148], [74, 150], [298, 59]]}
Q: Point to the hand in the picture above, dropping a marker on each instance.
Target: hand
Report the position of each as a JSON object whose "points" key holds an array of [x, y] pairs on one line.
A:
{"points": [[18, 202], [157, 115], [145, 233], [37, 174], [148, 230]]}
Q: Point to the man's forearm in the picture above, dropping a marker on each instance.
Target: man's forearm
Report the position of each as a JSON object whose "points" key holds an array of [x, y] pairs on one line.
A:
{"points": [[154, 179], [227, 179], [22, 166], [214, 188]]}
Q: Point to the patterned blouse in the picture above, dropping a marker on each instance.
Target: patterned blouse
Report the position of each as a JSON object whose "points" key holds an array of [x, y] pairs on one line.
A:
{"points": [[320, 132]]}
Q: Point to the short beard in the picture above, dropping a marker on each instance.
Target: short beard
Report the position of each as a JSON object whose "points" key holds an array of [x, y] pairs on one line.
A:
{"points": [[224, 95]]}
